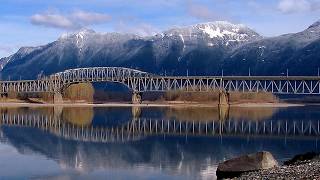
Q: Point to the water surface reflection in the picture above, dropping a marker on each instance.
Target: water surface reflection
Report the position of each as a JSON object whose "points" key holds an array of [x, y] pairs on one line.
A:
{"points": [[176, 143]]}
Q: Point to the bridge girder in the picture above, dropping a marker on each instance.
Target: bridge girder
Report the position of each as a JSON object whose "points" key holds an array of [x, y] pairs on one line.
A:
{"points": [[139, 81]]}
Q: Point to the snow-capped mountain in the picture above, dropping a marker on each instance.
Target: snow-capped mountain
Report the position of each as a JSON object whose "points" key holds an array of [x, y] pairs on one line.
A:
{"points": [[4, 61], [201, 49], [217, 33], [21, 53], [297, 52]]}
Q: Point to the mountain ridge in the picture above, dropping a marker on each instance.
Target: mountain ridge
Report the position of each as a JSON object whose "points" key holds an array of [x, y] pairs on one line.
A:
{"points": [[200, 49]]}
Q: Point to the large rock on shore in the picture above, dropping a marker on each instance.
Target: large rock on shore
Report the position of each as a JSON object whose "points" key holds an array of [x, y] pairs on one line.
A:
{"points": [[251, 162]]}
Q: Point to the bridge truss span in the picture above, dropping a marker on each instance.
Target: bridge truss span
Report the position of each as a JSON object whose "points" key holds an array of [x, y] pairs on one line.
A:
{"points": [[162, 84], [139, 81], [30, 86], [96, 74], [275, 85], [136, 80]]}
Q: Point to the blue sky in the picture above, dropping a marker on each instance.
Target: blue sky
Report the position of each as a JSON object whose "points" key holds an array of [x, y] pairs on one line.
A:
{"points": [[36, 22]]}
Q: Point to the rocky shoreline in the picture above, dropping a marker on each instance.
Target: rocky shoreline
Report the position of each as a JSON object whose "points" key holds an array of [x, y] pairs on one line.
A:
{"points": [[307, 169], [262, 165]]}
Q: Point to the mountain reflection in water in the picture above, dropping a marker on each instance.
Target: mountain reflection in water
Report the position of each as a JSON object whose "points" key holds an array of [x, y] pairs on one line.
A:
{"points": [[166, 142]]}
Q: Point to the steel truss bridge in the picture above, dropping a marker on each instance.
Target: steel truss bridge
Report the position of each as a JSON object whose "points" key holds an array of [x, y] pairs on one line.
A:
{"points": [[140, 128], [139, 81]]}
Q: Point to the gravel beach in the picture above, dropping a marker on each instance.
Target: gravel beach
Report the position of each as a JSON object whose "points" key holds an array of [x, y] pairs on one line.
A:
{"points": [[307, 169]]}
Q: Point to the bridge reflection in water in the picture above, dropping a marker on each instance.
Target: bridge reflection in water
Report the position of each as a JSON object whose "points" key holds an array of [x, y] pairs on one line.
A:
{"points": [[79, 127], [175, 141]]}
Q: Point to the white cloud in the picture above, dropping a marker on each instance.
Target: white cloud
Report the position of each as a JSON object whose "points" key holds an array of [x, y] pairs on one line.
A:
{"points": [[296, 6], [75, 20], [52, 20]]}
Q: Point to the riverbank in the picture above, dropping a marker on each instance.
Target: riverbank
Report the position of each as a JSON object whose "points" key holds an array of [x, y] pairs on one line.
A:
{"points": [[144, 104], [305, 169]]}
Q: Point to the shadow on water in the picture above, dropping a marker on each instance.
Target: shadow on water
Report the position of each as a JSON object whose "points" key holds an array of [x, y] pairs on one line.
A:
{"points": [[175, 141]]}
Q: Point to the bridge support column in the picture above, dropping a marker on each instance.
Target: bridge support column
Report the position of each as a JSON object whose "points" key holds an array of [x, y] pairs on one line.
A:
{"points": [[223, 98], [57, 112], [136, 98], [57, 98], [136, 112], [223, 112], [223, 105]]}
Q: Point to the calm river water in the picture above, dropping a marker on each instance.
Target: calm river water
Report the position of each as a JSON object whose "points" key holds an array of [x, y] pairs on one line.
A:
{"points": [[146, 143]]}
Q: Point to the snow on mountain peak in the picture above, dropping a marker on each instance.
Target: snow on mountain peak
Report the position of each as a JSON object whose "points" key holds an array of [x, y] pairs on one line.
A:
{"points": [[78, 37], [214, 33], [222, 24], [27, 50], [78, 34], [221, 29]]}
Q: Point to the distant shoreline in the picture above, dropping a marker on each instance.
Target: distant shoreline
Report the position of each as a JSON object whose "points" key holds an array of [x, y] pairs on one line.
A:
{"points": [[146, 104]]}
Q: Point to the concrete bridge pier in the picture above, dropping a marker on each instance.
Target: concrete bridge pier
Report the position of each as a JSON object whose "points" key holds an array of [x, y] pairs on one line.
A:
{"points": [[136, 112], [57, 98], [223, 112], [136, 98], [223, 98], [223, 105], [57, 112]]}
